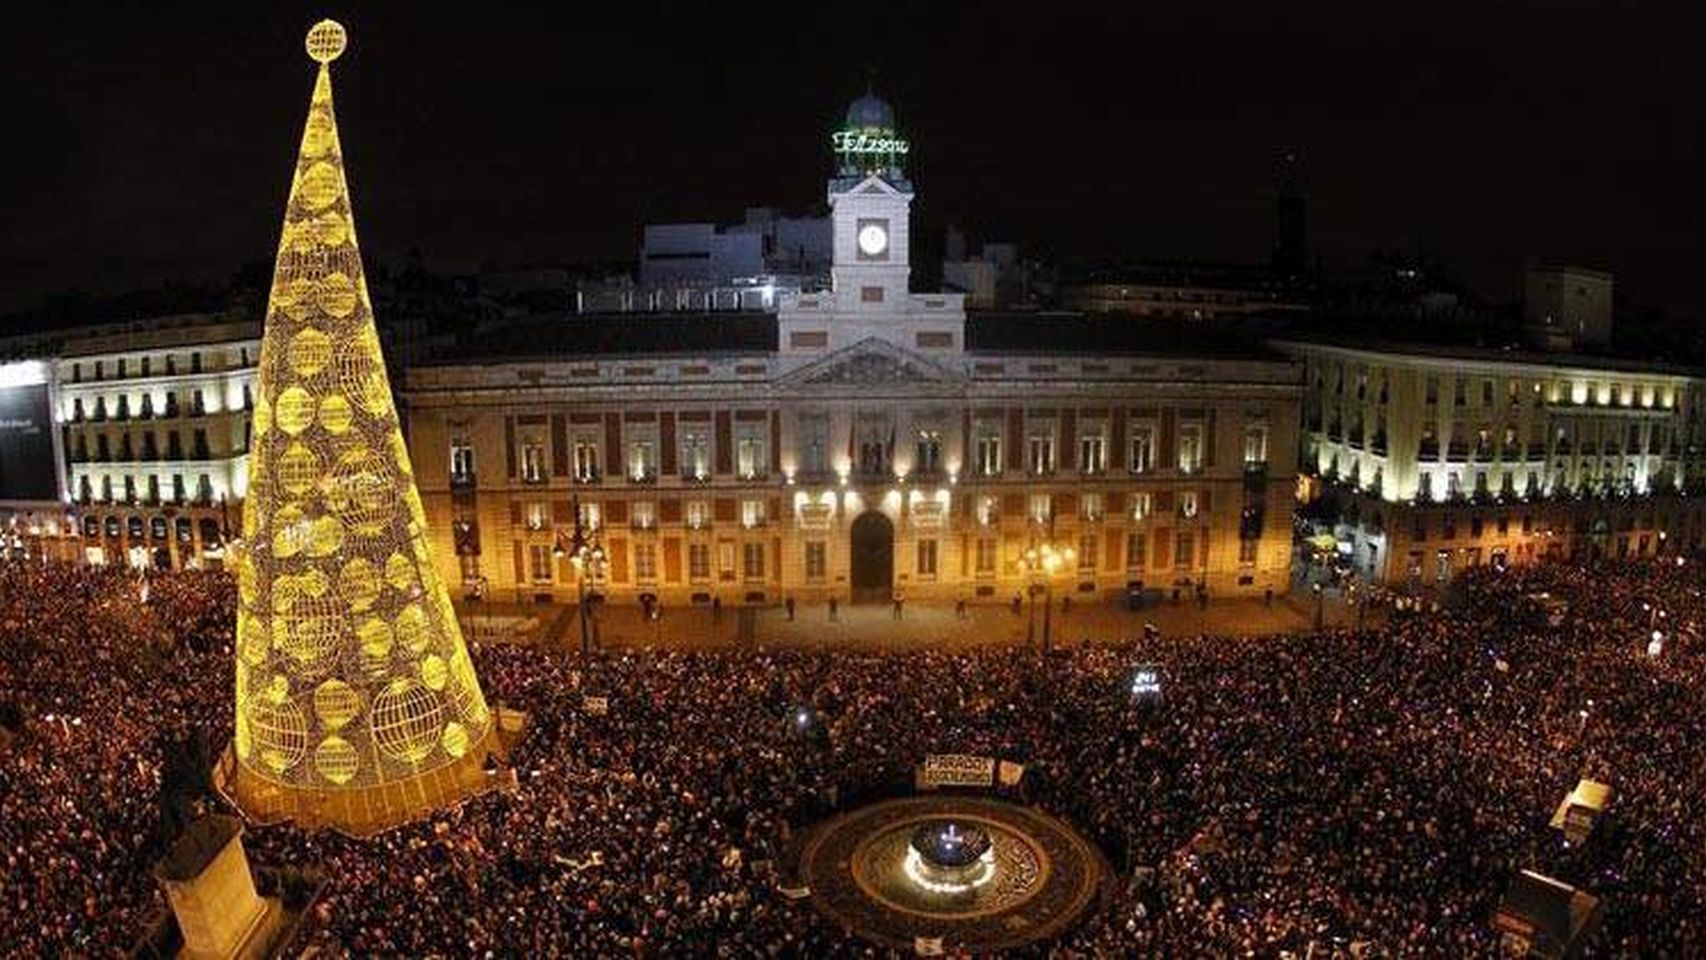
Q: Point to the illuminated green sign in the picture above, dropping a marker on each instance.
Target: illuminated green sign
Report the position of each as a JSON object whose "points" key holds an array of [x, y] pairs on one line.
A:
{"points": [[853, 141]]}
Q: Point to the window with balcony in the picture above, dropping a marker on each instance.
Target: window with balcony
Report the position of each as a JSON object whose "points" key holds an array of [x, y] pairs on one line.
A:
{"points": [[538, 515], [1140, 506], [817, 561], [592, 515], [461, 461], [814, 445], [695, 455], [928, 453], [751, 513], [1042, 507], [984, 560], [1187, 504], [585, 462], [989, 454], [698, 514], [1190, 448], [1142, 449], [699, 562], [1039, 454], [645, 515], [751, 454], [532, 461], [1255, 446], [1093, 453], [642, 460], [1090, 507]]}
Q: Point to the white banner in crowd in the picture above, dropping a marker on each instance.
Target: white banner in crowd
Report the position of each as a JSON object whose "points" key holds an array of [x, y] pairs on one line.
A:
{"points": [[595, 706], [1011, 773], [928, 946], [957, 770]]}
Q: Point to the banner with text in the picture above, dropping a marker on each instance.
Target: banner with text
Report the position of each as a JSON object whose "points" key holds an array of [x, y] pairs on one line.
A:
{"points": [[956, 770]]}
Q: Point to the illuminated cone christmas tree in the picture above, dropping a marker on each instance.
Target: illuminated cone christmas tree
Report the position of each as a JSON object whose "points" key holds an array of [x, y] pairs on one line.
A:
{"points": [[357, 704]]}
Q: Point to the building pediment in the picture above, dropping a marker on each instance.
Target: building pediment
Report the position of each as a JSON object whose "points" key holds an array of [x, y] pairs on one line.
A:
{"points": [[872, 363]]}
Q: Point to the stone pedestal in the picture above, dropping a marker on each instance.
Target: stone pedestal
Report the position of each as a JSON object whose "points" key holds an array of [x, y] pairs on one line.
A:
{"points": [[207, 881]]}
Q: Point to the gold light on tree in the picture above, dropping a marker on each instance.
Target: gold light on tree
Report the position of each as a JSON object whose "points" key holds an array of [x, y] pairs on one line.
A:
{"points": [[357, 704]]}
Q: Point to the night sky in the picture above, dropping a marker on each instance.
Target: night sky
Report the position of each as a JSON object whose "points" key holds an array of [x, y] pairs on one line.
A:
{"points": [[149, 142]]}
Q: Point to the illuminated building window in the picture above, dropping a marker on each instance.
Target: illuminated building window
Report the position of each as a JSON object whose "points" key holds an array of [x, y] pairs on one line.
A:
{"points": [[1190, 448], [461, 461], [699, 562], [1142, 449], [592, 517], [751, 460], [532, 461], [814, 445], [1088, 550], [816, 561], [698, 514], [1187, 504], [1039, 454], [989, 454], [1255, 444], [928, 458], [1090, 506], [695, 455], [645, 515], [1247, 547], [1042, 507], [985, 558], [586, 459], [988, 509], [1140, 505], [645, 562], [1092, 453], [751, 513], [642, 461], [538, 515]]}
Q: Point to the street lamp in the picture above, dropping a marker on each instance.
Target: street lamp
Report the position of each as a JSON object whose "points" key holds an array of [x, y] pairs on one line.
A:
{"points": [[587, 555], [1042, 562]]}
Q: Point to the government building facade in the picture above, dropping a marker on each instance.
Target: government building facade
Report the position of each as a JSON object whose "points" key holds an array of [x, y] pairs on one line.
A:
{"points": [[861, 441]]}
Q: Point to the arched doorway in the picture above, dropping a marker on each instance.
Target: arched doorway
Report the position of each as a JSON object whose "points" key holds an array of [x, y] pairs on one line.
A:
{"points": [[873, 557]]}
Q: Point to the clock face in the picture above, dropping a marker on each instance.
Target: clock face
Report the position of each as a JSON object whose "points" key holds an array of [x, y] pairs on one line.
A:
{"points": [[873, 239]]}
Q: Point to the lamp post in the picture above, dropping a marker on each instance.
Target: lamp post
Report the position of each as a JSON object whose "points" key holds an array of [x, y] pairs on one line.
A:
{"points": [[1041, 562], [587, 555], [1320, 606]]}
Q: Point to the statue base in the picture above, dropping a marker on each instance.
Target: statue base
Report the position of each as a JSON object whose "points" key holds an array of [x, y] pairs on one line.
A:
{"points": [[364, 810], [212, 892]]}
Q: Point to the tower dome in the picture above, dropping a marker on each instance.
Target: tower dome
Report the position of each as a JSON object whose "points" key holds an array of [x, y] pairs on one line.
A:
{"points": [[870, 112]]}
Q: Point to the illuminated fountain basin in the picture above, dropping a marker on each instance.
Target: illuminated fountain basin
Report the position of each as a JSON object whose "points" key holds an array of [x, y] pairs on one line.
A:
{"points": [[983, 874], [944, 856]]}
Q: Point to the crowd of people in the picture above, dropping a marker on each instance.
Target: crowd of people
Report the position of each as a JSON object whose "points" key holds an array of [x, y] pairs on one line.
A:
{"points": [[1348, 792]]}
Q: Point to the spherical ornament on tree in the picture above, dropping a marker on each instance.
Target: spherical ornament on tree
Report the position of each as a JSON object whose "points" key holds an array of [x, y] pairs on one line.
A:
{"points": [[407, 720], [326, 41]]}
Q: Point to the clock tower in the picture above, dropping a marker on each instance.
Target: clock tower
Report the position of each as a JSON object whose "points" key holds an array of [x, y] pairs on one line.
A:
{"points": [[870, 199], [870, 297]]}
